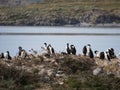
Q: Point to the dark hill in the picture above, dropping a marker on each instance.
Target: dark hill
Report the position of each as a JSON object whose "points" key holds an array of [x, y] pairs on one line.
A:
{"points": [[60, 12], [18, 2]]}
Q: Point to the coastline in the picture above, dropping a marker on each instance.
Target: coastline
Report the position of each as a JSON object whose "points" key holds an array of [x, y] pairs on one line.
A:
{"points": [[110, 25], [95, 25]]}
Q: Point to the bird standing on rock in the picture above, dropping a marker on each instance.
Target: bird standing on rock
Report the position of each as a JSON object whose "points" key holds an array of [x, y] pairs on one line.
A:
{"points": [[107, 56], [21, 53], [2, 56], [84, 50], [102, 55], [45, 48], [73, 49], [20, 50], [87, 51], [51, 49], [7, 56], [68, 49], [111, 53]]}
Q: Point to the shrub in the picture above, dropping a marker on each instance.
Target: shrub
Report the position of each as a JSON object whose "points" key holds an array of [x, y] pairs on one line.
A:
{"points": [[72, 65], [13, 79]]}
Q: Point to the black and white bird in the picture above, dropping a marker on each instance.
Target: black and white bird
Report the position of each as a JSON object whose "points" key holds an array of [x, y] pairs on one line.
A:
{"points": [[91, 55], [2, 56], [111, 53], [84, 50], [51, 49], [107, 56], [20, 50], [97, 53], [102, 55], [89, 51], [21, 53], [68, 49], [73, 49], [45, 48], [7, 56]]}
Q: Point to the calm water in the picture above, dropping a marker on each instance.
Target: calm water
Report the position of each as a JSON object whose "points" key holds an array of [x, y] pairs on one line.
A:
{"points": [[101, 43]]}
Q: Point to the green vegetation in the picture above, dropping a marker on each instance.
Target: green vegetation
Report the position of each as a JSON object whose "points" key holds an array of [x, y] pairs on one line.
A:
{"points": [[13, 79], [85, 81], [62, 12]]}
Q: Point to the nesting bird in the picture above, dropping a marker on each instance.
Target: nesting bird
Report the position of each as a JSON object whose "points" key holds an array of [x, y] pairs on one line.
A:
{"points": [[102, 55], [1, 55], [84, 50], [91, 55], [111, 53], [97, 53], [51, 49], [46, 48], [7, 56], [87, 51], [73, 49], [20, 50], [68, 49], [107, 56], [22, 53]]}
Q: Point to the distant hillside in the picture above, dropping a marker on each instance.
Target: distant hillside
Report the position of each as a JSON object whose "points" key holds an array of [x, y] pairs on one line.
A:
{"points": [[26, 2], [60, 12], [18, 2], [80, 0]]}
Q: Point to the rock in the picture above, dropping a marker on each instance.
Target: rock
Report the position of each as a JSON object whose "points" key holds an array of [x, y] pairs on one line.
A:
{"points": [[50, 72], [97, 71], [42, 71], [60, 82], [107, 18], [60, 74]]}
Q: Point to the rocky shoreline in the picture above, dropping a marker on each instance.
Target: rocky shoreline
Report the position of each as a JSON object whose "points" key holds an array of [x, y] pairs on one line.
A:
{"points": [[94, 25], [77, 25]]}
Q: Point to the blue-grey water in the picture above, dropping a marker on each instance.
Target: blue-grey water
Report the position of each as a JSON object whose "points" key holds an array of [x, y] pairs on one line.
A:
{"points": [[98, 42]]}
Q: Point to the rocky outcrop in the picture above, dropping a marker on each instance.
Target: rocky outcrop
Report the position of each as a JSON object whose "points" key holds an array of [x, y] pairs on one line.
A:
{"points": [[59, 71]]}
